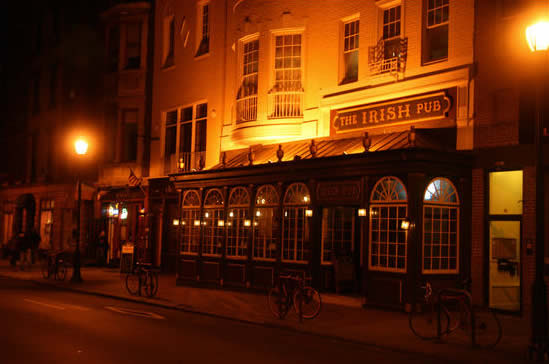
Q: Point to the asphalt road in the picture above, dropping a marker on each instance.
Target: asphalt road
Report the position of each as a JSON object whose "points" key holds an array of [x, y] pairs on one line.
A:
{"points": [[40, 324]]}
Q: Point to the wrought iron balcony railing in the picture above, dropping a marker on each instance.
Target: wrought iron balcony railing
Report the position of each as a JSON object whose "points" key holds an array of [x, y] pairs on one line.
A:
{"points": [[388, 56], [246, 109], [185, 162], [285, 102]]}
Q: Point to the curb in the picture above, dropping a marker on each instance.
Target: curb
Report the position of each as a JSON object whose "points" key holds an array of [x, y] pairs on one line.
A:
{"points": [[267, 324]]}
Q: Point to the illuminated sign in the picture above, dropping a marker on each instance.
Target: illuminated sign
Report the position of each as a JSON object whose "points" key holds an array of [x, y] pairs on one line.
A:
{"points": [[124, 213], [425, 107]]}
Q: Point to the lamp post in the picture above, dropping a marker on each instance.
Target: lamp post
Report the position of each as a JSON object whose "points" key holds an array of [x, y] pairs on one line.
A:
{"points": [[81, 148], [537, 36]]}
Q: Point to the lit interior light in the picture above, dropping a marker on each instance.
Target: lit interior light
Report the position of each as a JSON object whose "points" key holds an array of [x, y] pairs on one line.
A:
{"points": [[231, 214], [81, 146], [207, 214], [537, 36], [258, 213], [361, 212], [142, 211], [306, 198], [308, 213], [262, 200], [175, 222], [183, 223], [221, 223], [204, 223], [196, 222], [124, 213], [229, 224], [247, 222], [256, 223], [405, 224]]}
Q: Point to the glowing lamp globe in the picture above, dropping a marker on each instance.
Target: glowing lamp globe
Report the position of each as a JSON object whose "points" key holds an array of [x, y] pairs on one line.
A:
{"points": [[537, 36], [81, 146]]}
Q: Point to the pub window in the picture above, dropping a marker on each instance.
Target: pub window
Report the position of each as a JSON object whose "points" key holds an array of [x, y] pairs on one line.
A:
{"points": [[169, 41], [190, 221], [295, 227], [46, 223], [133, 45], [435, 42], [388, 241], [7, 227], [213, 221], [238, 223], [338, 227], [203, 30], [129, 135], [440, 227], [265, 223], [350, 51]]}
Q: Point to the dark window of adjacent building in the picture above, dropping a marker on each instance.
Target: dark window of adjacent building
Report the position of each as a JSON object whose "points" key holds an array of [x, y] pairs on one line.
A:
{"points": [[114, 48], [204, 30], [350, 51], [435, 43], [133, 45], [36, 94], [169, 41], [53, 86], [129, 135], [111, 122], [170, 140]]}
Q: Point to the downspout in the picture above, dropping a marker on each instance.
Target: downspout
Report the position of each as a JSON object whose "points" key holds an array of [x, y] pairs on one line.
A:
{"points": [[149, 94]]}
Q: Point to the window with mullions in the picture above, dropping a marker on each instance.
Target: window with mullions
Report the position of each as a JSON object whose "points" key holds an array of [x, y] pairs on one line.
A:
{"points": [[440, 227], [436, 30], [265, 225], [247, 94], [203, 30], [169, 41], [190, 221], [350, 51], [238, 223], [170, 142], [388, 241], [338, 226], [295, 227], [133, 45], [391, 31], [213, 222], [46, 223]]}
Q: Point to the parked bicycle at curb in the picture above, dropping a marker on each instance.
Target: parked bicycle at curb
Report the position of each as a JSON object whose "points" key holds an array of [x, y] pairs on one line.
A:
{"points": [[53, 265], [292, 291], [143, 280], [447, 310]]}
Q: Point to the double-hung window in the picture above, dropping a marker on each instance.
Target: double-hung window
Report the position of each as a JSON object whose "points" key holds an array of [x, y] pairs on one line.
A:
{"points": [[436, 30], [391, 31], [133, 45], [350, 51], [169, 41], [246, 105], [203, 29]]}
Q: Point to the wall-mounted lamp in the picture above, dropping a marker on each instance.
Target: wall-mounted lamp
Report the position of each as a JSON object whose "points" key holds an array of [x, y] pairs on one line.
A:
{"points": [[258, 213], [221, 223], [175, 222], [362, 212], [308, 213], [306, 198], [405, 223], [196, 222], [247, 223]]}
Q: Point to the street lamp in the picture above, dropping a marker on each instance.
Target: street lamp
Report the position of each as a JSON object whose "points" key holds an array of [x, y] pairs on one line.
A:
{"points": [[537, 36], [81, 148]]}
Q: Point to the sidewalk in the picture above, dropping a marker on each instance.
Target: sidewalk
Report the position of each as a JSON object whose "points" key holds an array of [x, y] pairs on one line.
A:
{"points": [[340, 317]]}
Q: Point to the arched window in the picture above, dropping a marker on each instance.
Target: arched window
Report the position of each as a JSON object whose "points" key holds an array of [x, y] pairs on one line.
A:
{"points": [[440, 227], [295, 227], [190, 221], [214, 223], [238, 223], [265, 226], [388, 241]]}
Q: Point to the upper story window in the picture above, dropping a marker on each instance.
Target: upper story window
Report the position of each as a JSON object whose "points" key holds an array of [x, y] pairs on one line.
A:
{"points": [[246, 105], [435, 43], [203, 29], [133, 45], [129, 135], [185, 138], [286, 95], [350, 51], [169, 41], [389, 55], [391, 31], [113, 48]]}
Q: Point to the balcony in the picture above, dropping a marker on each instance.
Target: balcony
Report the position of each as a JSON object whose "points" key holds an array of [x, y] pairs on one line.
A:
{"points": [[388, 56], [246, 109], [285, 102], [185, 162]]}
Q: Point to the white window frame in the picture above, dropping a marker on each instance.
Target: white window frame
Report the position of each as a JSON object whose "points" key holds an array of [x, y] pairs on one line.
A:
{"points": [[427, 27], [211, 216], [283, 32], [241, 65], [444, 203], [344, 50], [189, 230], [390, 200], [297, 209], [261, 206], [236, 217]]}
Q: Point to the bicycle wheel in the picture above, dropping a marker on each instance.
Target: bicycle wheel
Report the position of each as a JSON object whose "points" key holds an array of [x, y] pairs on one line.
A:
{"points": [[132, 283], [459, 314], [45, 268], [151, 284], [61, 272], [487, 327], [278, 302], [424, 324], [309, 300]]}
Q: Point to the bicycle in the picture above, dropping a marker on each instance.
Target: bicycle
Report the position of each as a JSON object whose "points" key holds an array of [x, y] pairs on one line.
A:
{"points": [[53, 265], [292, 291], [453, 309], [142, 278]]}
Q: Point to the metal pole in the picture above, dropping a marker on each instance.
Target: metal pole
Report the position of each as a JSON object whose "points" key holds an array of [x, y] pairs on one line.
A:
{"points": [[76, 277], [539, 295]]}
